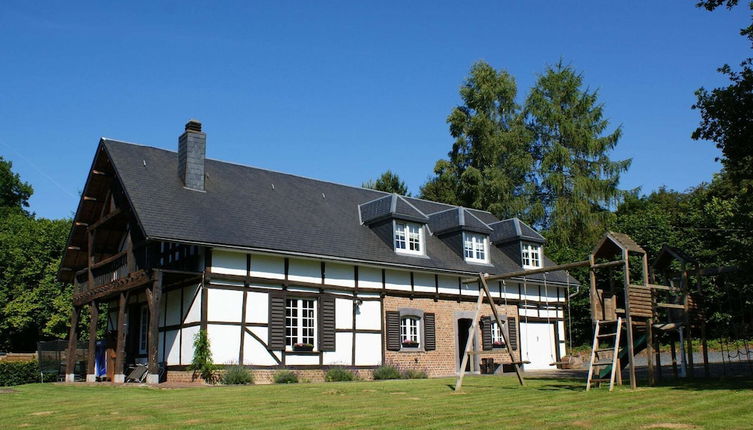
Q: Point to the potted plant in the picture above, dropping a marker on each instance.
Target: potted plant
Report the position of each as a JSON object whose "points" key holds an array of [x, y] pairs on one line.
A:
{"points": [[303, 347], [498, 344], [408, 343]]}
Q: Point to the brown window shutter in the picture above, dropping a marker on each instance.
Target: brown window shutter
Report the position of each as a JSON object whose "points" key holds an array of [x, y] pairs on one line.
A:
{"points": [[276, 330], [512, 332], [327, 323], [392, 320], [430, 337], [486, 333]]}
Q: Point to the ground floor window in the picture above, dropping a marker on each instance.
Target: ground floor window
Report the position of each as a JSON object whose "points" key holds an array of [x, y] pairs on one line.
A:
{"points": [[498, 340], [300, 323], [409, 332]]}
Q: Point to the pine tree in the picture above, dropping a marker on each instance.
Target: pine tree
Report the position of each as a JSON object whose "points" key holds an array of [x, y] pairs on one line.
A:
{"points": [[388, 182]]}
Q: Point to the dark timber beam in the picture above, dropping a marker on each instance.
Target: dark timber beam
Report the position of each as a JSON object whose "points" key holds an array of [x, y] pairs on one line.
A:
{"points": [[70, 365], [121, 340], [91, 352], [154, 298], [530, 272]]}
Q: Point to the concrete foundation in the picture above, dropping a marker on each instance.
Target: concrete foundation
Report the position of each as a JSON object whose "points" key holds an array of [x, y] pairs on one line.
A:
{"points": [[152, 379], [70, 377], [91, 378], [119, 378]]}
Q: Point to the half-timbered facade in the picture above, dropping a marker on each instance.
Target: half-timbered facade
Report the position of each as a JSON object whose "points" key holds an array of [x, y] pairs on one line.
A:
{"points": [[286, 271]]}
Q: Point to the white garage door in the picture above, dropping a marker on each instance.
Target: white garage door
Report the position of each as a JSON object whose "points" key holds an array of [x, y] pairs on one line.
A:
{"points": [[537, 340]]}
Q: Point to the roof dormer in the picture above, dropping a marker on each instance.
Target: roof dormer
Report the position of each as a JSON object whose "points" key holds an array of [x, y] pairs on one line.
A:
{"points": [[462, 231], [520, 242], [397, 222]]}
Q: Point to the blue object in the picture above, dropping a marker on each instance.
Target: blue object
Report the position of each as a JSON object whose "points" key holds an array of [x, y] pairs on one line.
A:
{"points": [[100, 364]]}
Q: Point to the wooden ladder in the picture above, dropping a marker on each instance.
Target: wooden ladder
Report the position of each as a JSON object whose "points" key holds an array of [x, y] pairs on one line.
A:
{"points": [[596, 350]]}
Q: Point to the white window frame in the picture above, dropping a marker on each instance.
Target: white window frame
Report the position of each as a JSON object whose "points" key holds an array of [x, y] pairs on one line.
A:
{"points": [[143, 329], [531, 255], [402, 235], [298, 322], [478, 242], [497, 335], [410, 329]]}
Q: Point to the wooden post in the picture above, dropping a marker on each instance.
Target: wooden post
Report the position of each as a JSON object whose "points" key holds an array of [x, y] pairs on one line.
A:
{"points": [[91, 352], [469, 343], [504, 335], [688, 333], [673, 352], [631, 351], [595, 299], [154, 295], [657, 351], [121, 340], [650, 351], [702, 317], [70, 365]]}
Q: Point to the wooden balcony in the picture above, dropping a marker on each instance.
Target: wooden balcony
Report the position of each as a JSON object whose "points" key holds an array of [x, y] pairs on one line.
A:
{"points": [[113, 274]]}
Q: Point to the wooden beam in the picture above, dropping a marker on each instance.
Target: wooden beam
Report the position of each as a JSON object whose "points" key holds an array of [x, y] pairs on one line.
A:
{"points": [[99, 173], [90, 199], [80, 224], [502, 331], [74, 248], [153, 333], [607, 264], [529, 272], [631, 349], [670, 306], [121, 339], [105, 219], [109, 259], [91, 352], [70, 365]]}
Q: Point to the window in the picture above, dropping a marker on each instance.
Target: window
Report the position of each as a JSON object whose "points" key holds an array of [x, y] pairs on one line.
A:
{"points": [[409, 238], [531, 256], [143, 329], [497, 340], [409, 332], [474, 247], [300, 323]]}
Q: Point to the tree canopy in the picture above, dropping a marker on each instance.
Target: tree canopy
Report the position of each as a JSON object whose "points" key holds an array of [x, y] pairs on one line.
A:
{"points": [[14, 193], [388, 182]]}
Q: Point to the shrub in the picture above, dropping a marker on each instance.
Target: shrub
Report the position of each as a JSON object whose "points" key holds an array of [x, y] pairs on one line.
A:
{"points": [[414, 374], [285, 377], [202, 363], [237, 375], [387, 371], [19, 372], [339, 374]]}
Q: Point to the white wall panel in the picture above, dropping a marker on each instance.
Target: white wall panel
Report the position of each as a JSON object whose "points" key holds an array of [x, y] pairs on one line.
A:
{"points": [[172, 308], [368, 349], [160, 347], [423, 282], [343, 354], [448, 284], [191, 306], [369, 316], [187, 347], [254, 353], [225, 341], [224, 305], [397, 280], [257, 307], [510, 290], [305, 271], [344, 313], [563, 343], [339, 274], [369, 277], [529, 292], [292, 359], [172, 350], [228, 262], [470, 289], [266, 266]]}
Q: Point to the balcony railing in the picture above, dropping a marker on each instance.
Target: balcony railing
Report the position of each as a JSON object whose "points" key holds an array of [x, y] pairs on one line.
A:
{"points": [[103, 272]]}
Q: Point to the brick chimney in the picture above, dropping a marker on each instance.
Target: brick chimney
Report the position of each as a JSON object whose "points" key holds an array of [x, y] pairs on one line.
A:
{"points": [[192, 148]]}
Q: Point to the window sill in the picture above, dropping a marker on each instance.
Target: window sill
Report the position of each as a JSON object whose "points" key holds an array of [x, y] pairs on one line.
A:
{"points": [[416, 349], [479, 263], [294, 352]]}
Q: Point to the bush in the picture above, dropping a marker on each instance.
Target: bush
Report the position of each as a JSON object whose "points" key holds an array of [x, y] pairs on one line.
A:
{"points": [[17, 373], [387, 371], [339, 374], [285, 377], [202, 363], [237, 375], [414, 374]]}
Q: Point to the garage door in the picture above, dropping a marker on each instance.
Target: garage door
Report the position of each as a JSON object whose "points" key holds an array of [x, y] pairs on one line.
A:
{"points": [[537, 341]]}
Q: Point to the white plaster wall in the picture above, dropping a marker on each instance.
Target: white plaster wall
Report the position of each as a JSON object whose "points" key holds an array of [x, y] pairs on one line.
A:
{"points": [[369, 315], [563, 343], [192, 312], [343, 314], [187, 349], [469, 289], [225, 341], [172, 308], [368, 349], [339, 274], [224, 305], [369, 277], [510, 290], [494, 288], [294, 289], [305, 271], [448, 284], [292, 359], [423, 282], [397, 280], [267, 266], [254, 353], [343, 354], [229, 262], [172, 347], [257, 307], [529, 292]]}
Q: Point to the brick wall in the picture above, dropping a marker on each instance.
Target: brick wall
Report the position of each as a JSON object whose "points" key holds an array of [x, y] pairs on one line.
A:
{"points": [[266, 376], [442, 361]]}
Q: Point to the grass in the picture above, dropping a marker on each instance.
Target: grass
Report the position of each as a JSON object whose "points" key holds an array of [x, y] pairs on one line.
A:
{"points": [[486, 402]]}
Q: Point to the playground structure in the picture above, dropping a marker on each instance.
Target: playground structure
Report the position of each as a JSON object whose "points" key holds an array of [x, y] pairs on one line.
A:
{"points": [[661, 302]]}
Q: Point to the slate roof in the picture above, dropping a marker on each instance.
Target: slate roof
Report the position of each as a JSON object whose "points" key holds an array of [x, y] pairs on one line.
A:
{"points": [[390, 206], [455, 219], [514, 229], [258, 209]]}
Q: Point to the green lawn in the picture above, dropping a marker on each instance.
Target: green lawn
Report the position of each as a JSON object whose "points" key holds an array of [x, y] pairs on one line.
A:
{"points": [[487, 402]]}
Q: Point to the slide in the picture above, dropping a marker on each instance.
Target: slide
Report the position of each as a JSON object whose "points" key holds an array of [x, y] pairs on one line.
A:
{"points": [[640, 343]]}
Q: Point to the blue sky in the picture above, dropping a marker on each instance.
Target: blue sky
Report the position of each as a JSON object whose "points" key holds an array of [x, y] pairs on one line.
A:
{"points": [[339, 91]]}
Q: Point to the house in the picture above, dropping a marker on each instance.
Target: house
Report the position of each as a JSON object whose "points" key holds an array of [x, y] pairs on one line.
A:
{"points": [[287, 271]]}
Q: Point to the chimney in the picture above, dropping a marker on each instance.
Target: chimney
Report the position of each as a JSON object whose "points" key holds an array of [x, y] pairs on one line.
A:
{"points": [[192, 147]]}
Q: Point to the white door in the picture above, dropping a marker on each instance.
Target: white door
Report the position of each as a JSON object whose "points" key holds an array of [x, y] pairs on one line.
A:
{"points": [[537, 340]]}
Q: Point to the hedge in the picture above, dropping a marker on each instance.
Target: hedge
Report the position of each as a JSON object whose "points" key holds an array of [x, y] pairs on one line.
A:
{"points": [[17, 373]]}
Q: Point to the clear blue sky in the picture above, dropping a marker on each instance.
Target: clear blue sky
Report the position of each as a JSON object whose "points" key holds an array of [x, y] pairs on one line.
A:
{"points": [[339, 91]]}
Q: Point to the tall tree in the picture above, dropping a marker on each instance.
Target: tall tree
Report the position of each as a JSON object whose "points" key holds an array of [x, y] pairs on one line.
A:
{"points": [[388, 182], [490, 163], [579, 183], [14, 193]]}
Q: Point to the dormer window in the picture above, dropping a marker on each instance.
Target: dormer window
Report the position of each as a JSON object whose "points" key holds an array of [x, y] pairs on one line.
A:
{"points": [[531, 254], [409, 238], [475, 247]]}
